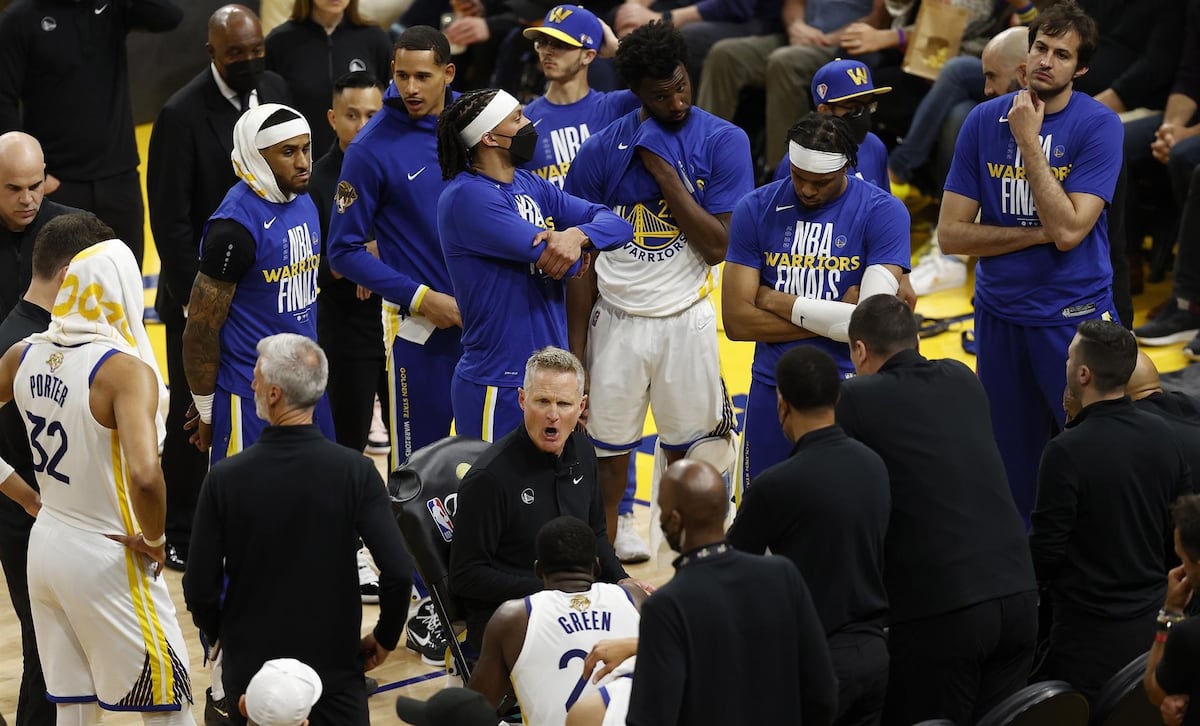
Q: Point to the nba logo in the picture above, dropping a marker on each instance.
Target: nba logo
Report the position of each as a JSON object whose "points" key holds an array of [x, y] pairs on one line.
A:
{"points": [[442, 518]]}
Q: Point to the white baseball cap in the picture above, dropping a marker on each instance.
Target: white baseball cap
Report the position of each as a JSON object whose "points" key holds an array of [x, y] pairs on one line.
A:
{"points": [[282, 693]]}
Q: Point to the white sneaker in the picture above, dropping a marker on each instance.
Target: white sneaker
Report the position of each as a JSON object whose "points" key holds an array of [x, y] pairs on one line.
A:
{"points": [[629, 545], [936, 272], [378, 441], [368, 581]]}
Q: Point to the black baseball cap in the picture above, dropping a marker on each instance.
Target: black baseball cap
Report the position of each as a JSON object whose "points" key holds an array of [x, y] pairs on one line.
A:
{"points": [[449, 707]]}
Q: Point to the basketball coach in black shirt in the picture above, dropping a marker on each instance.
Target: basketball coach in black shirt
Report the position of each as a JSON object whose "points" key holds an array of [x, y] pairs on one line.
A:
{"points": [[960, 585], [1102, 524], [826, 509]]}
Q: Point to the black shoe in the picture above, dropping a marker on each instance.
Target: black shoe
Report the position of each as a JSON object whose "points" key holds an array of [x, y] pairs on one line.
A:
{"points": [[426, 636], [175, 559], [372, 684], [1191, 351], [1171, 325], [216, 712]]}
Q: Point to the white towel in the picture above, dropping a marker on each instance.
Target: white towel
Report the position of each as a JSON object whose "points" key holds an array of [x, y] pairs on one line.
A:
{"points": [[101, 301], [250, 137]]}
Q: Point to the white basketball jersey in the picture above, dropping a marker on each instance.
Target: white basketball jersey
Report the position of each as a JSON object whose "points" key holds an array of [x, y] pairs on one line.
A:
{"points": [[563, 627], [79, 464], [656, 274]]}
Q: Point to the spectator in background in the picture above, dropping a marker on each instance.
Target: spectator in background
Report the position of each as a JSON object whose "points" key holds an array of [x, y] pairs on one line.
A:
{"points": [[1178, 409], [826, 509], [58, 58], [782, 63], [1170, 680], [1100, 534], [322, 41], [187, 175], [24, 210]]}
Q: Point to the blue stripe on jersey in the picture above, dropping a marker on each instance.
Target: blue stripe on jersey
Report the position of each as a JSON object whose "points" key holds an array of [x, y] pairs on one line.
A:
{"points": [[509, 307], [815, 253], [562, 128], [96, 368], [278, 294], [1039, 285]]}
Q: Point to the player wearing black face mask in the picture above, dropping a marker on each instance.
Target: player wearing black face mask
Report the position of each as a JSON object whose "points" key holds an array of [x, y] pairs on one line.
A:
{"points": [[522, 144]]}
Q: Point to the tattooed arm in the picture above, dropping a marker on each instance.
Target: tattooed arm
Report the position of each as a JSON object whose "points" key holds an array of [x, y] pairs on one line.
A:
{"points": [[207, 310]]}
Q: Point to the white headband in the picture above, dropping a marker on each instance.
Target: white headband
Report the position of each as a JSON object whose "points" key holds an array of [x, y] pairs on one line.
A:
{"points": [[816, 162], [281, 132], [501, 105]]}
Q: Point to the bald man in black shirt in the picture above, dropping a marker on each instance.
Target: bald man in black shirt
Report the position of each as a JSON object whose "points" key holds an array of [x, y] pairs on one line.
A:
{"points": [[826, 509]]}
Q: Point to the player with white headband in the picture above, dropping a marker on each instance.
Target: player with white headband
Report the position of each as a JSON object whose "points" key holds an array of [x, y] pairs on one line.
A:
{"points": [[802, 252], [511, 239]]}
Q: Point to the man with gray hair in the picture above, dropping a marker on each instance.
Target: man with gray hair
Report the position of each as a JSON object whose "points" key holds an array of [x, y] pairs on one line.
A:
{"points": [[545, 468], [294, 486]]}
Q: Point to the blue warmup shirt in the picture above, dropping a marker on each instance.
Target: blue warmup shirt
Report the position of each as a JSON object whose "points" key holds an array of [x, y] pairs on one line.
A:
{"points": [[815, 253], [872, 163], [510, 308], [1040, 285], [562, 128], [388, 191], [279, 292]]}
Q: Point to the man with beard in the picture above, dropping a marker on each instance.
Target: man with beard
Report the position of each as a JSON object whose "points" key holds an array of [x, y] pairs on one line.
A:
{"points": [[1101, 529], [1040, 168], [645, 318], [802, 252], [322, 498]]}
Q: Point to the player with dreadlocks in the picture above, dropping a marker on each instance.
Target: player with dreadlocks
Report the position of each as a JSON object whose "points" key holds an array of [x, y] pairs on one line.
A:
{"points": [[510, 239], [802, 252]]}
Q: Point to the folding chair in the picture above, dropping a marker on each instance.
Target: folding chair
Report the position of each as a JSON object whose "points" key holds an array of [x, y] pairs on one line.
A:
{"points": [[1123, 702], [1049, 703], [424, 490]]}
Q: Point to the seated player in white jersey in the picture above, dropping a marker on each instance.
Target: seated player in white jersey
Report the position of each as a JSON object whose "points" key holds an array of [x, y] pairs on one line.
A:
{"points": [[535, 647], [89, 391]]}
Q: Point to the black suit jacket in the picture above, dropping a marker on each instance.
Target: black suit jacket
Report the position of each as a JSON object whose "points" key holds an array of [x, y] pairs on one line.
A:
{"points": [[188, 174]]}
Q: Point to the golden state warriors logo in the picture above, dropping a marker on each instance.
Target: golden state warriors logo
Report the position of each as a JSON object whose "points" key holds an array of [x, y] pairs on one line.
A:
{"points": [[858, 75], [55, 361], [559, 14], [653, 230], [580, 603], [345, 196]]}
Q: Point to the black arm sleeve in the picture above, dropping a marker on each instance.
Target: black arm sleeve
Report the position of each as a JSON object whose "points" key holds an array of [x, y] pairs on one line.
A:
{"points": [[1053, 517], [228, 251], [379, 532], [658, 680]]}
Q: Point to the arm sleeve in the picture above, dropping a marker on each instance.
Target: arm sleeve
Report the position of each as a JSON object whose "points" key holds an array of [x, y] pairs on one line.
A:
{"points": [[204, 579], [1146, 81], [733, 11], [478, 523], [228, 251], [818, 684], [1053, 517], [13, 55], [657, 695], [1176, 670], [605, 229], [732, 172], [351, 227], [169, 173], [381, 535], [155, 16], [751, 530]]}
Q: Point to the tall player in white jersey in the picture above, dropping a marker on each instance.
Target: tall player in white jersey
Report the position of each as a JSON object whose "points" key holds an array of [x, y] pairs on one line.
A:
{"points": [[89, 392], [535, 646]]}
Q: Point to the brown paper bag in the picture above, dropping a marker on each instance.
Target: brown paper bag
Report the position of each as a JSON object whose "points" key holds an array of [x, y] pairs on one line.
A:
{"points": [[935, 38]]}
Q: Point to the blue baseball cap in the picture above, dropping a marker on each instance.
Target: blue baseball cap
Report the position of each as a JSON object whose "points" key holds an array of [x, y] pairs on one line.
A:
{"points": [[571, 24], [842, 80]]}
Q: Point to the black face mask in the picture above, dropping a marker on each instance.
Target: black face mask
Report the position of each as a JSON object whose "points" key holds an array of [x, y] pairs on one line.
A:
{"points": [[243, 76], [859, 126], [522, 144]]}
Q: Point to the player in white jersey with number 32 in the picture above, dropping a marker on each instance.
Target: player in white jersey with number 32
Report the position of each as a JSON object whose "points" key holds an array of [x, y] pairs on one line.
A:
{"points": [[89, 392], [536, 645]]}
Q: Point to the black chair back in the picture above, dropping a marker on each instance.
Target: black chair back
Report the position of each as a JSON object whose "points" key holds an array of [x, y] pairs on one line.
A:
{"points": [[1123, 701], [1050, 703], [424, 490]]}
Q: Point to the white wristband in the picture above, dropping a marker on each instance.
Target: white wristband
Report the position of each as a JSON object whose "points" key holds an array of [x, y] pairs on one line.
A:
{"points": [[204, 406], [6, 470], [157, 542]]}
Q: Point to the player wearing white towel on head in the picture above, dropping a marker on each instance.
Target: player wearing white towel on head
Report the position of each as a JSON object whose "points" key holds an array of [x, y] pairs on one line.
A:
{"points": [[537, 645], [89, 391]]}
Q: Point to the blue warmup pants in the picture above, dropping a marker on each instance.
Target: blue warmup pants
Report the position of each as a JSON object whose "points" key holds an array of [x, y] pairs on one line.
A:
{"points": [[236, 425]]}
